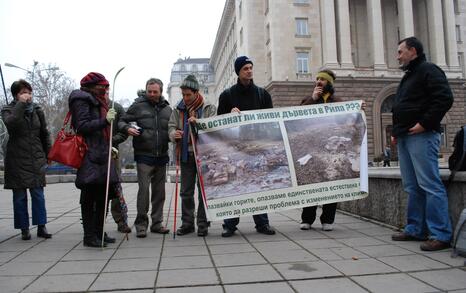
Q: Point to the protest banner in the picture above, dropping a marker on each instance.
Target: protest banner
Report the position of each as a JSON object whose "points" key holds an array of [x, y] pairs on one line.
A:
{"points": [[269, 160]]}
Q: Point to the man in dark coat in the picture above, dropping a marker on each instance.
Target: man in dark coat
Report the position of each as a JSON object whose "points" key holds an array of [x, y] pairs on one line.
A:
{"points": [[422, 99], [26, 158], [243, 96], [147, 121]]}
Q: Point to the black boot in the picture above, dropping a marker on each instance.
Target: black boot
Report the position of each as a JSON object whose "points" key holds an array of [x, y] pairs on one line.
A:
{"points": [[90, 239], [42, 232], [25, 234]]}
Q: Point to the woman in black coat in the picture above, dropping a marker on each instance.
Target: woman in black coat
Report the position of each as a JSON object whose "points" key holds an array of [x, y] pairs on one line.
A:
{"points": [[26, 158], [91, 118]]}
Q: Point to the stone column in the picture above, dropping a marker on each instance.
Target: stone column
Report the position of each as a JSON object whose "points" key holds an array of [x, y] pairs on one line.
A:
{"points": [[328, 32], [346, 59], [405, 18], [436, 33], [374, 15], [451, 41]]}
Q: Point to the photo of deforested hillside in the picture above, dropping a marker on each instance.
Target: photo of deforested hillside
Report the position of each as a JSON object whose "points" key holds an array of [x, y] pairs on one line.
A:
{"points": [[244, 159], [326, 148]]}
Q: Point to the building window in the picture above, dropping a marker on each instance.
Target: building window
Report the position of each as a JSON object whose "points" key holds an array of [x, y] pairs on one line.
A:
{"points": [[240, 9], [302, 27], [241, 36], [456, 6], [443, 136], [267, 31], [183, 67], [458, 33], [302, 62], [301, 2], [194, 67], [266, 7], [206, 67]]}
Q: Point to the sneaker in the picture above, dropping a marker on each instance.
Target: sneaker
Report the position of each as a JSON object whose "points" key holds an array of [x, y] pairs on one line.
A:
{"points": [[327, 227], [25, 234], [183, 230], [124, 228], [202, 231], [227, 232], [305, 226], [266, 229], [405, 237], [434, 245], [141, 233], [160, 230]]}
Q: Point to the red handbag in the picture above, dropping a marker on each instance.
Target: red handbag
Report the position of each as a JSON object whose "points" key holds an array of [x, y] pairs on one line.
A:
{"points": [[69, 148]]}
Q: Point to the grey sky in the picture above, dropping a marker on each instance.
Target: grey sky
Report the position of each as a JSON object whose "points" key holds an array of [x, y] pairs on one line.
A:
{"points": [[146, 36]]}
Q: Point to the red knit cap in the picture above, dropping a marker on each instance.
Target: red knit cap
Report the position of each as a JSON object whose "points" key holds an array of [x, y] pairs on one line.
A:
{"points": [[93, 78]]}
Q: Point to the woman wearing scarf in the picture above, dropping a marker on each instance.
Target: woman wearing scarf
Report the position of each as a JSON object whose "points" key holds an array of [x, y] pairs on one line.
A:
{"points": [[26, 158], [91, 118], [191, 107]]}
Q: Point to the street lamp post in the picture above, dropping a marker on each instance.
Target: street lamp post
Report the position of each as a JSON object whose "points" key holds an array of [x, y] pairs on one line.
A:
{"points": [[31, 72]]}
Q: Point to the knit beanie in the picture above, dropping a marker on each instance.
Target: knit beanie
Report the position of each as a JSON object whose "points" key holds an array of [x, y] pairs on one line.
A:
{"points": [[190, 82], [328, 75], [240, 62], [93, 78]]}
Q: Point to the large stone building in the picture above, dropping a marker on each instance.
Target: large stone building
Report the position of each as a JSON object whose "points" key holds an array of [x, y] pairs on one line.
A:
{"points": [[289, 40], [201, 68]]}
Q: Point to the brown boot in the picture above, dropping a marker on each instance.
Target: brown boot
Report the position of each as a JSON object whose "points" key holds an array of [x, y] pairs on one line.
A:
{"points": [[124, 228], [434, 245], [405, 237]]}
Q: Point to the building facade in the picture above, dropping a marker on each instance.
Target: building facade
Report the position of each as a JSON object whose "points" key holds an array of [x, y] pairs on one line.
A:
{"points": [[290, 40], [201, 68]]}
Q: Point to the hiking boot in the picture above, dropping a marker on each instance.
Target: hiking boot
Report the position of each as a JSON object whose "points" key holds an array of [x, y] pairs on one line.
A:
{"points": [[160, 230], [42, 232], [202, 231], [305, 226], [25, 234], [266, 229], [141, 233], [327, 227], [434, 245], [227, 232], [183, 230], [404, 237], [124, 228]]}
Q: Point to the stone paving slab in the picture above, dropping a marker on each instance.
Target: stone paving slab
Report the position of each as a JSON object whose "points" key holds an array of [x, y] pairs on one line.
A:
{"points": [[358, 256]]}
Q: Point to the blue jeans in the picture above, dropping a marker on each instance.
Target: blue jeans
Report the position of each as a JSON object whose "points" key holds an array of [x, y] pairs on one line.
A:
{"points": [[427, 198], [20, 207], [260, 220]]}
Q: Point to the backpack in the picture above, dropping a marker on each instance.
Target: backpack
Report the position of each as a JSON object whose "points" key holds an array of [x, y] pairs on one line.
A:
{"points": [[459, 239], [457, 160]]}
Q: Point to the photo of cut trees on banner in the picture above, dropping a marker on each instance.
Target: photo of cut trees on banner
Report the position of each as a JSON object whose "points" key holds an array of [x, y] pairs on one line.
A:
{"points": [[276, 159]]}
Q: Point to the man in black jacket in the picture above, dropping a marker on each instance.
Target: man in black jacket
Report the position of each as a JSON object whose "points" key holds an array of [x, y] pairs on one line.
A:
{"points": [[149, 115], [422, 99], [243, 96]]}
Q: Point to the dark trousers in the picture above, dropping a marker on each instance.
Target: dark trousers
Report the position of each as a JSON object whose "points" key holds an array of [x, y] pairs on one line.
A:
{"points": [[328, 214], [386, 163], [188, 182], [92, 210], [260, 220]]}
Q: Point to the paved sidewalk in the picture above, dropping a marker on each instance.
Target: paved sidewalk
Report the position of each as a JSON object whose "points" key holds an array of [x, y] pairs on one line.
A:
{"points": [[358, 256]]}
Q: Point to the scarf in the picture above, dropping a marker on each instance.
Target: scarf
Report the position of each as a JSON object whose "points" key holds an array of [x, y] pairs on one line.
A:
{"points": [[99, 94], [192, 110]]}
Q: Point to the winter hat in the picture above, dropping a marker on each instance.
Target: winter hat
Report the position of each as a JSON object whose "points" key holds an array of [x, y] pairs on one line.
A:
{"points": [[326, 74], [190, 82], [240, 62], [93, 78]]}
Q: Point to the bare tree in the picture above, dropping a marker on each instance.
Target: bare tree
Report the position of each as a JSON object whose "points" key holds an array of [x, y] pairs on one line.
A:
{"points": [[51, 89]]}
